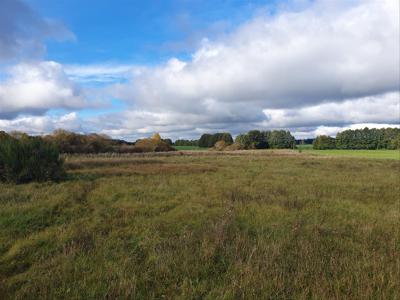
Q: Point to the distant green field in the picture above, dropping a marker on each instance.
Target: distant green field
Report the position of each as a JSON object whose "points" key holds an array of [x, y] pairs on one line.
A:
{"points": [[305, 147], [191, 148], [380, 154]]}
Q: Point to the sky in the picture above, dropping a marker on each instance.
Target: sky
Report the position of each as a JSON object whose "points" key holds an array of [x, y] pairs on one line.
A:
{"points": [[185, 67]]}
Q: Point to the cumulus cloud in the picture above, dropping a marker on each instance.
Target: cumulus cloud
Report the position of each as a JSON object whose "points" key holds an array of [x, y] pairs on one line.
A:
{"points": [[34, 88], [327, 64], [333, 130], [22, 31], [136, 123], [37, 125], [293, 59], [319, 68], [371, 109]]}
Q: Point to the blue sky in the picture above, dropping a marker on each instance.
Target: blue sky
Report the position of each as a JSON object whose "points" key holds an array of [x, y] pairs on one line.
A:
{"points": [[141, 32], [185, 67]]}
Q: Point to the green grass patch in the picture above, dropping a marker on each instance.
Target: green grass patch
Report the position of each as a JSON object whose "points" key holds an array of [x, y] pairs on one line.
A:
{"points": [[190, 148], [376, 154], [304, 147]]}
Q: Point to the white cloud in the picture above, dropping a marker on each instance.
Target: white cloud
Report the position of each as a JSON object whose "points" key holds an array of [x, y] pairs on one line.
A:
{"points": [[325, 52], [333, 130], [372, 109], [42, 124], [317, 69], [33, 88], [326, 64]]}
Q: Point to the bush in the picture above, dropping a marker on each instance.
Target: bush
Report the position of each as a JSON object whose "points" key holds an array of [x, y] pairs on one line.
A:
{"points": [[29, 159], [154, 144], [324, 142], [220, 146]]}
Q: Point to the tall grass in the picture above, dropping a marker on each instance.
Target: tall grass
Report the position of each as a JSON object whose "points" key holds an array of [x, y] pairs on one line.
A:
{"points": [[27, 159], [204, 227]]}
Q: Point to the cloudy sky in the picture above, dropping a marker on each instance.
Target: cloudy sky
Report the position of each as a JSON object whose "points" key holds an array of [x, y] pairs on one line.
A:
{"points": [[185, 67]]}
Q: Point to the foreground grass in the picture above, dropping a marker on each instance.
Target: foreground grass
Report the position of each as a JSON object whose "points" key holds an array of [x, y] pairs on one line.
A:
{"points": [[205, 227]]}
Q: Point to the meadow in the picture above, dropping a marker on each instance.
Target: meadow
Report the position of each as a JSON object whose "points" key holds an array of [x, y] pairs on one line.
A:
{"points": [[205, 225], [189, 148], [377, 154]]}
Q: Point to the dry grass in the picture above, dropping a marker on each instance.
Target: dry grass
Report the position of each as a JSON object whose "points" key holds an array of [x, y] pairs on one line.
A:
{"points": [[215, 225]]}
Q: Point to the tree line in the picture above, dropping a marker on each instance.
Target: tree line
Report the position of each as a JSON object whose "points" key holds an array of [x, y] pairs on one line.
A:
{"points": [[254, 139], [71, 142], [369, 139], [183, 142]]}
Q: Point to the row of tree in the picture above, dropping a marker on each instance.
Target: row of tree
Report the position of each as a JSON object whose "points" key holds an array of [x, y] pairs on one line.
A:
{"points": [[183, 142], [71, 142], [371, 139]]}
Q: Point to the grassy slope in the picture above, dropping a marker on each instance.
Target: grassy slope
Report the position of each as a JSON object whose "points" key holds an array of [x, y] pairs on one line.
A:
{"points": [[213, 227]]}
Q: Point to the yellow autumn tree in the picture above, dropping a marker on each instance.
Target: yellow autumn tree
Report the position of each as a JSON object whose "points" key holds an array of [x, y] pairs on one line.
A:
{"points": [[156, 137]]}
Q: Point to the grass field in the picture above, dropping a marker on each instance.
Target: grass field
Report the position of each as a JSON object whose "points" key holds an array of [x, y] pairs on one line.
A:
{"points": [[191, 148], [378, 154], [276, 225]]}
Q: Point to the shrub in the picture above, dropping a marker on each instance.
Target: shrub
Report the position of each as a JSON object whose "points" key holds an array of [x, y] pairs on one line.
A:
{"points": [[324, 142], [29, 159], [154, 144], [234, 147], [220, 146]]}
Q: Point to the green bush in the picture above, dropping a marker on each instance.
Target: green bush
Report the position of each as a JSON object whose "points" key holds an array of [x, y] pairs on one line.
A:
{"points": [[324, 142], [29, 159], [276, 139]]}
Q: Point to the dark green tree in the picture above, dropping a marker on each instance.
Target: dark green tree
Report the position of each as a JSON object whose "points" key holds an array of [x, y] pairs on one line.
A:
{"points": [[324, 142]]}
